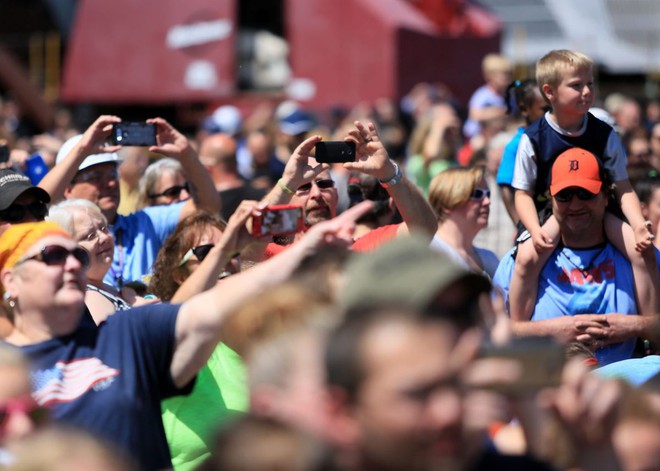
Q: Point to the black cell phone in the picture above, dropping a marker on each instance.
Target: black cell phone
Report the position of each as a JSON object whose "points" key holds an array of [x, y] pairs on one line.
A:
{"points": [[335, 152], [134, 133]]}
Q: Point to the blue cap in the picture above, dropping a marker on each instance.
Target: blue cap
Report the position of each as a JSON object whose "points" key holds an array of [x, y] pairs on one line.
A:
{"points": [[297, 122]]}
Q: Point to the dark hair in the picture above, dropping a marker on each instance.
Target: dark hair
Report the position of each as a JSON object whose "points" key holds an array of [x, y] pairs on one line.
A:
{"points": [[185, 236], [645, 183], [363, 187], [520, 92]]}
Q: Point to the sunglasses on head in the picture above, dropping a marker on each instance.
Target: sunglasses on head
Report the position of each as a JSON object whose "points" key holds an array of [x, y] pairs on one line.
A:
{"points": [[322, 184], [172, 192], [564, 196], [200, 252], [57, 255], [17, 212], [27, 406], [479, 194]]}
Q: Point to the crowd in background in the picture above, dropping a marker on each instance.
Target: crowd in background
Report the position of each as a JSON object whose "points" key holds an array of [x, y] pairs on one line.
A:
{"points": [[300, 380]]}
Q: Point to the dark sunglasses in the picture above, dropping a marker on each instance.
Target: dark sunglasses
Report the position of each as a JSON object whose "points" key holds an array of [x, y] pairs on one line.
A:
{"points": [[16, 212], [29, 407], [322, 184], [172, 192], [479, 194], [200, 252], [57, 255], [96, 177], [564, 196]]}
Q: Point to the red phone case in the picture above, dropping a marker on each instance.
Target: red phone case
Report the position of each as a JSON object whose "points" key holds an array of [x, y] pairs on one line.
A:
{"points": [[284, 219]]}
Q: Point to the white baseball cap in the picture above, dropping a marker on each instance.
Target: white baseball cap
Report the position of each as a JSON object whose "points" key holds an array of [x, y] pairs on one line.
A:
{"points": [[93, 159]]}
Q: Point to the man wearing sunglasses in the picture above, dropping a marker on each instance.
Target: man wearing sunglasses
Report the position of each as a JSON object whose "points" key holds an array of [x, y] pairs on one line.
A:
{"points": [[20, 201], [586, 290], [87, 168], [309, 184]]}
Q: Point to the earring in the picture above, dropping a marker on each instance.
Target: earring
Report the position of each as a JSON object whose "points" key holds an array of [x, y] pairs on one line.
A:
{"points": [[12, 303]]}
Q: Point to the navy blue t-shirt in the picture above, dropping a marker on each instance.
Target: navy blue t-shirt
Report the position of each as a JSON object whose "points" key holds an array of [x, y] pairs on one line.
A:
{"points": [[110, 380]]}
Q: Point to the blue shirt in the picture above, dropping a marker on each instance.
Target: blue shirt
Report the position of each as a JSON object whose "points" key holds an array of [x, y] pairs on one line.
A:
{"points": [[138, 238], [110, 380], [585, 281], [508, 162]]}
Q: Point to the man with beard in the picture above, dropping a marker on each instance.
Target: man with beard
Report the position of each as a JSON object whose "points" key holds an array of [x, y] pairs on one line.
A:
{"points": [[586, 289], [309, 184], [87, 168]]}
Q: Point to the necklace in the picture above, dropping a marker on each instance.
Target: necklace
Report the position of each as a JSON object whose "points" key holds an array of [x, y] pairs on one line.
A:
{"points": [[588, 269]]}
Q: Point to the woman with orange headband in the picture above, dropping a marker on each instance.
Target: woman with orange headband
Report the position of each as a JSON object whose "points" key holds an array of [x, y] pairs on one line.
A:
{"points": [[110, 380]]}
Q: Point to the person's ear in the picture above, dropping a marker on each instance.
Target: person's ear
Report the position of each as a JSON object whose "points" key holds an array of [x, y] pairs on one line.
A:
{"points": [[343, 426], [67, 192], [263, 399], [548, 92], [7, 277]]}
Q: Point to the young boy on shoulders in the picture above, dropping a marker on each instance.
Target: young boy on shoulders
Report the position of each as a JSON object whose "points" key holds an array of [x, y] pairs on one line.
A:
{"points": [[565, 79]]}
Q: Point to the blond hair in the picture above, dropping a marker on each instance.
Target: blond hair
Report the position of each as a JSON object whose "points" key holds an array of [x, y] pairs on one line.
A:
{"points": [[452, 188], [550, 68], [495, 63]]}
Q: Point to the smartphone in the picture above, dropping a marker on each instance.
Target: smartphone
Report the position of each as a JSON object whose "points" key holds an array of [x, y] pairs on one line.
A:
{"points": [[134, 133], [335, 152], [541, 361], [278, 220]]}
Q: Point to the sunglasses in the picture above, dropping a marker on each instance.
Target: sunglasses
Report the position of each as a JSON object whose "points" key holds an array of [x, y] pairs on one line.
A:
{"points": [[27, 406], [321, 184], [16, 212], [96, 176], [57, 255], [564, 196], [172, 192], [479, 194], [200, 252]]}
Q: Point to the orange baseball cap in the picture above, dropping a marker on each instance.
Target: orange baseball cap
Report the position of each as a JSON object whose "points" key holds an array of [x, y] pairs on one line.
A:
{"points": [[576, 167]]}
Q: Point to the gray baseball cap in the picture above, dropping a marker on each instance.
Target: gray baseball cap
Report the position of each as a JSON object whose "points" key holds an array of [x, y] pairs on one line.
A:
{"points": [[405, 273]]}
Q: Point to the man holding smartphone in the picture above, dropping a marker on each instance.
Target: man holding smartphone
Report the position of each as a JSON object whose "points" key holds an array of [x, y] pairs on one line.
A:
{"points": [[87, 168], [309, 184]]}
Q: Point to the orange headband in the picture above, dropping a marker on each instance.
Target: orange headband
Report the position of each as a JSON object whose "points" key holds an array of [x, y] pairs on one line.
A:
{"points": [[18, 239]]}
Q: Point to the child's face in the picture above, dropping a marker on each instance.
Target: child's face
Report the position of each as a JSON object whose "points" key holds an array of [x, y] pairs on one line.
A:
{"points": [[574, 95]]}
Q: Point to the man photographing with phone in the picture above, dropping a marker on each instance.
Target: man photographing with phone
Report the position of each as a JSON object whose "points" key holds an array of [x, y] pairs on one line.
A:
{"points": [[309, 184], [87, 168]]}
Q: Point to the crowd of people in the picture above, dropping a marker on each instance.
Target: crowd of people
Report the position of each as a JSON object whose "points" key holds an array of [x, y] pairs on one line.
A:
{"points": [[477, 289]]}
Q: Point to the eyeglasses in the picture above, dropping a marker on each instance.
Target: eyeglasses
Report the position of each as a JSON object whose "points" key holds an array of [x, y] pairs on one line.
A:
{"points": [[95, 234], [200, 252], [57, 255], [479, 194], [27, 406], [324, 184], [96, 176], [16, 212], [564, 196], [172, 192]]}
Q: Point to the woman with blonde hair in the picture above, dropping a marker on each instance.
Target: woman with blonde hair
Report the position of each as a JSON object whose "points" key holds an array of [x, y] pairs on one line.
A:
{"points": [[461, 199]]}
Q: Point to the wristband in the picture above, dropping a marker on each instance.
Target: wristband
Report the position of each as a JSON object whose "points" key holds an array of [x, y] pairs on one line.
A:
{"points": [[285, 188], [395, 179]]}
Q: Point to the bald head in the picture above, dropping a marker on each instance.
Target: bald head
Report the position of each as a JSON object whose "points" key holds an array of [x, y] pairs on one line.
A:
{"points": [[218, 149]]}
